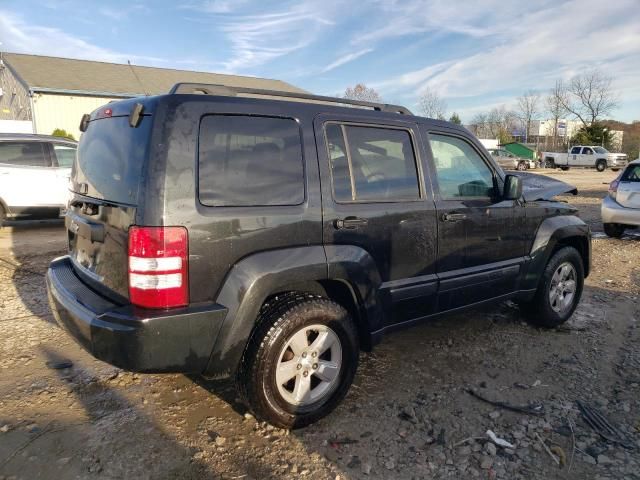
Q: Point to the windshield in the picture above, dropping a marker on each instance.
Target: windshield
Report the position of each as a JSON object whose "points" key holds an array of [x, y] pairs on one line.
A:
{"points": [[600, 150]]}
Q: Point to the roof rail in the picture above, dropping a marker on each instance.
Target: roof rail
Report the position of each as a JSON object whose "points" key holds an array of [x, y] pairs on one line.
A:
{"points": [[226, 91]]}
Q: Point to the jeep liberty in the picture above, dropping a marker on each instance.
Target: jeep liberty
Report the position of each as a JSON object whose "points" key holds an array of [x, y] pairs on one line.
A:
{"points": [[243, 233]]}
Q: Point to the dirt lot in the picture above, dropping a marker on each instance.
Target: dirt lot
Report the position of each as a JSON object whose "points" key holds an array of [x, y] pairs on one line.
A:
{"points": [[407, 416]]}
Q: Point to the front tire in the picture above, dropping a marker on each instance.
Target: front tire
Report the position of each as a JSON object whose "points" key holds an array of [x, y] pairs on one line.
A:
{"points": [[601, 165], [300, 361], [559, 290], [614, 230]]}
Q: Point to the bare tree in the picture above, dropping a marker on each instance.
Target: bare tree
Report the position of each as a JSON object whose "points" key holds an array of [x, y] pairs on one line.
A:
{"points": [[362, 92], [555, 102], [478, 125], [497, 123], [528, 110], [432, 105], [590, 96]]}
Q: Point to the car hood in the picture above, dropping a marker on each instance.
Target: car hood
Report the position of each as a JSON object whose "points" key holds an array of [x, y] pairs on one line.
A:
{"points": [[540, 187]]}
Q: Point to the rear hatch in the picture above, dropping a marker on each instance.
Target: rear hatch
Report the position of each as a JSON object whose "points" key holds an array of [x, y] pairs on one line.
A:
{"points": [[105, 181], [628, 194]]}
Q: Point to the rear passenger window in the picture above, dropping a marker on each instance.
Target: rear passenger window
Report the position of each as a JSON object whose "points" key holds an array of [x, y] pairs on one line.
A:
{"points": [[23, 154], [372, 164], [575, 151], [250, 161]]}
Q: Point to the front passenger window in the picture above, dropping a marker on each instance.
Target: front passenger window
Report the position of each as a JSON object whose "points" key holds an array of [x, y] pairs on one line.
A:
{"points": [[460, 171]]}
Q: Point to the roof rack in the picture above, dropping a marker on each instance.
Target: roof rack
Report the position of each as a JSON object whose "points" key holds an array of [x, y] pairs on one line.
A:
{"points": [[226, 91]]}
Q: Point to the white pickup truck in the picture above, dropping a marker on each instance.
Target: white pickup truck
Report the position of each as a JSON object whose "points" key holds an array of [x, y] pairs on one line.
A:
{"points": [[588, 156]]}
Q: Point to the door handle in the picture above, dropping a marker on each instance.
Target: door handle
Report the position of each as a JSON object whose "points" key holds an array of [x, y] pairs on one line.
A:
{"points": [[453, 217], [349, 223]]}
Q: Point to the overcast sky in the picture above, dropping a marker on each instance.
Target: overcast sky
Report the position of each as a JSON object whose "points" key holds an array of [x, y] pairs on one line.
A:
{"points": [[476, 54]]}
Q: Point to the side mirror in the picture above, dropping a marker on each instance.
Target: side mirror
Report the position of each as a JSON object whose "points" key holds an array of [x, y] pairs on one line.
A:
{"points": [[512, 188]]}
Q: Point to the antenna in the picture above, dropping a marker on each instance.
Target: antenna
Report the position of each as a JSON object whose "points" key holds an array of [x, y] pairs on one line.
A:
{"points": [[137, 78]]}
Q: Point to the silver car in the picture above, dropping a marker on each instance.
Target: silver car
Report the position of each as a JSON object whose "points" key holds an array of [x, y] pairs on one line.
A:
{"points": [[621, 207], [508, 160]]}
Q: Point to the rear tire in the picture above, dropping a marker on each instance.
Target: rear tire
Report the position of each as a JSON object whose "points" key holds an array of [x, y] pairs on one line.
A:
{"points": [[601, 165], [522, 166], [549, 163], [559, 290], [293, 395], [3, 216], [564, 169], [615, 230]]}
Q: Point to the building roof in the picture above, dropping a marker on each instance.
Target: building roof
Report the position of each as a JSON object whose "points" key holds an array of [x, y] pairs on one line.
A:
{"points": [[66, 75]]}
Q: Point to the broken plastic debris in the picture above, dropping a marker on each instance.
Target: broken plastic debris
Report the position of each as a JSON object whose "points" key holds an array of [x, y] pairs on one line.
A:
{"points": [[499, 441]]}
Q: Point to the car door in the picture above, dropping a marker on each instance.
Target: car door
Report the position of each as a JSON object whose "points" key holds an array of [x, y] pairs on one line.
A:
{"points": [[480, 241], [25, 174], [575, 157], [587, 158], [628, 193], [510, 159], [376, 209], [500, 158], [63, 155]]}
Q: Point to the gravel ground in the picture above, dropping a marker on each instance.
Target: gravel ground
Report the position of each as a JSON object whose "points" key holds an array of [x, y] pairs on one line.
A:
{"points": [[408, 415]]}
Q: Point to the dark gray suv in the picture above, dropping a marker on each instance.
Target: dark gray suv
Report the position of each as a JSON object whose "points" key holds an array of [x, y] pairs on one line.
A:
{"points": [[216, 231]]}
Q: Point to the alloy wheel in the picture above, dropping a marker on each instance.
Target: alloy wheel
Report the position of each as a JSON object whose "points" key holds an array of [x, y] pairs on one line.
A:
{"points": [[309, 365], [563, 287]]}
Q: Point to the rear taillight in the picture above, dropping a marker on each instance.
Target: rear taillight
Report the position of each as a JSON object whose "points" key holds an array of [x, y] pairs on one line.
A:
{"points": [[158, 267], [613, 188]]}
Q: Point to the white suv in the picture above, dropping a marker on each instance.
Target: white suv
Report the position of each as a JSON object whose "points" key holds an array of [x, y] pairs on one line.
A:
{"points": [[34, 174]]}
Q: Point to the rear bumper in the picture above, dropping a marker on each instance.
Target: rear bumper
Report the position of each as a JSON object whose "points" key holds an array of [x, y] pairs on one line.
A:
{"points": [[613, 212], [139, 340]]}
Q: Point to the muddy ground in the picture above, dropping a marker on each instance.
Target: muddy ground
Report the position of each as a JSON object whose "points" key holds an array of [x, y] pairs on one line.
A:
{"points": [[408, 414]]}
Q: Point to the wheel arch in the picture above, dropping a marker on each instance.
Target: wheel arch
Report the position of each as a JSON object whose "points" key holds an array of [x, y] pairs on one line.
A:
{"points": [[553, 234], [581, 244], [342, 274]]}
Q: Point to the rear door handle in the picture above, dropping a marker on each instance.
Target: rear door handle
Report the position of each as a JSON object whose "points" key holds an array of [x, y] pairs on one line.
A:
{"points": [[453, 217], [349, 223]]}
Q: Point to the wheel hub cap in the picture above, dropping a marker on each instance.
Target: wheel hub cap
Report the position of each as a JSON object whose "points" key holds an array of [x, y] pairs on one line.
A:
{"points": [[563, 288], [309, 365]]}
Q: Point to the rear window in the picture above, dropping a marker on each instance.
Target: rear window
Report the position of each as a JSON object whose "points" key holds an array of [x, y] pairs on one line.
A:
{"points": [[631, 174], [110, 159], [23, 154], [250, 161]]}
